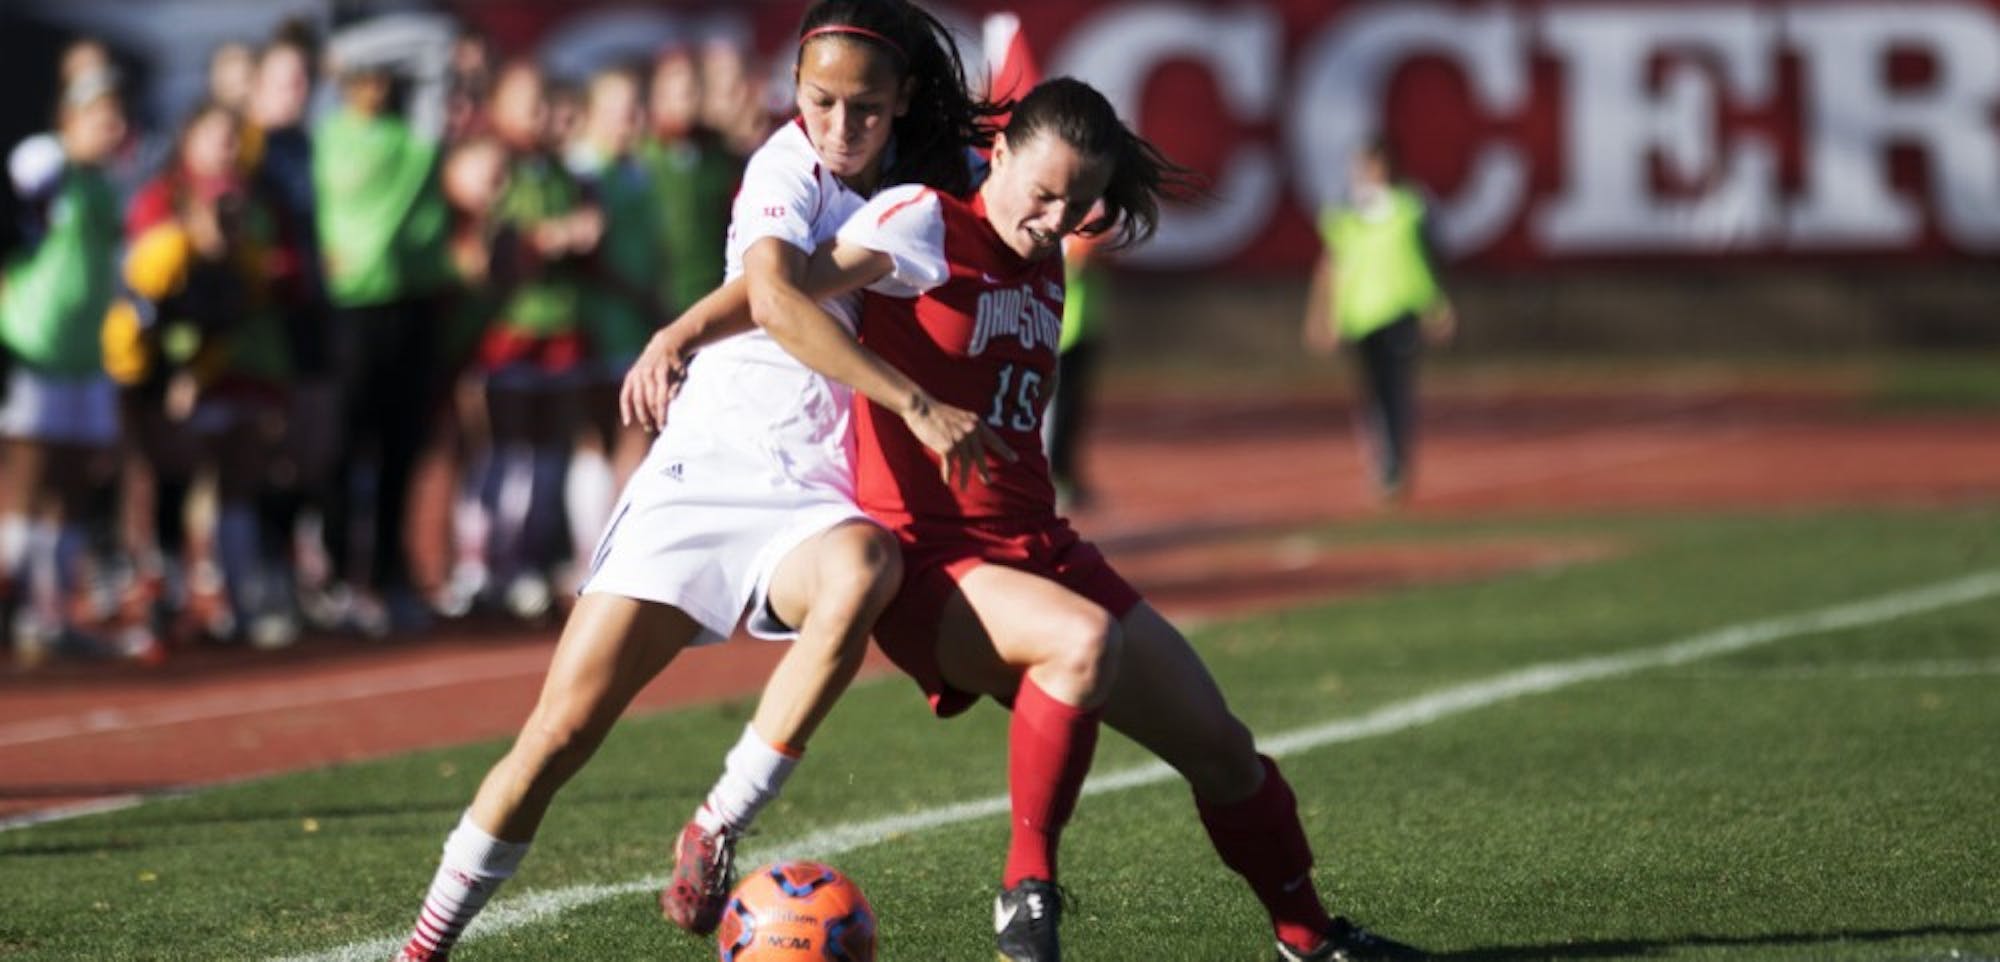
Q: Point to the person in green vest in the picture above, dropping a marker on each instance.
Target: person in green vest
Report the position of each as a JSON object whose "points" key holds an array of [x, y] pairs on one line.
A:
{"points": [[694, 175], [1377, 288], [382, 226], [59, 420], [1084, 282]]}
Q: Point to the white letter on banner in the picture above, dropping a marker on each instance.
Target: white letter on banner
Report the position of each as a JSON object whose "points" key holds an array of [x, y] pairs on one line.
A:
{"points": [[1343, 84], [1117, 50], [1613, 125], [1853, 117]]}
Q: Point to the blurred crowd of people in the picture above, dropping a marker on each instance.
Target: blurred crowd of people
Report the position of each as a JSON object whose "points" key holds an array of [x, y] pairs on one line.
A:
{"points": [[227, 368]]}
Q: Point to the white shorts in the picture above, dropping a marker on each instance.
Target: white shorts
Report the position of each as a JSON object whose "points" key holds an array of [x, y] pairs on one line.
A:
{"points": [[717, 504], [58, 409]]}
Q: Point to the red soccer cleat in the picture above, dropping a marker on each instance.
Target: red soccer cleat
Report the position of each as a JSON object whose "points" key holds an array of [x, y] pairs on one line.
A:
{"points": [[704, 872]]}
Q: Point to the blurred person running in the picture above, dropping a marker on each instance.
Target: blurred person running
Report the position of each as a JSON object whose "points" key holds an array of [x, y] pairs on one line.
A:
{"points": [[1000, 596], [59, 416], [382, 224], [1377, 287], [744, 510]]}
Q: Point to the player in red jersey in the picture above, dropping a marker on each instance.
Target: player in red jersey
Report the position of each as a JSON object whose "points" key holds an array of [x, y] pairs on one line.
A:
{"points": [[1000, 596]]}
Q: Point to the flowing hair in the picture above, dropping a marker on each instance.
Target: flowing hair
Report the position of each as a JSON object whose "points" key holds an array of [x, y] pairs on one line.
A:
{"points": [[944, 120], [1141, 176]]}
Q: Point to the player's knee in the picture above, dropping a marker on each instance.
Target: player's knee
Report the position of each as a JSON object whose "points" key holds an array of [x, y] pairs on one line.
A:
{"points": [[868, 565], [1088, 642], [558, 742]]}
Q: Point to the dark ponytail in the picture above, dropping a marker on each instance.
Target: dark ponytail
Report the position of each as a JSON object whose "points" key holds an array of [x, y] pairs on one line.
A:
{"points": [[1140, 175], [944, 120]]}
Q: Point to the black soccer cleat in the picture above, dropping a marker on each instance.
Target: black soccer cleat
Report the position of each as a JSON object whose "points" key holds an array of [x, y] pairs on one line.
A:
{"points": [[1024, 922], [1347, 942]]}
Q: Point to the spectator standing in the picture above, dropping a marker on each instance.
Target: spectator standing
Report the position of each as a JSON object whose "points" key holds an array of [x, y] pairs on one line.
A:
{"points": [[59, 418], [278, 147], [229, 68], [382, 225], [694, 174], [1377, 288], [483, 253], [201, 346], [622, 303], [534, 352]]}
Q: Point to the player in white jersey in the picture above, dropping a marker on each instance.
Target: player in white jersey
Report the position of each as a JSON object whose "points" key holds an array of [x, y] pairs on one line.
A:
{"points": [[743, 509]]}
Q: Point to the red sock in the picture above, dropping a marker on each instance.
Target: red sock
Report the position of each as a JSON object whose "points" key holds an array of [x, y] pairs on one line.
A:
{"points": [[1260, 837], [1049, 745]]}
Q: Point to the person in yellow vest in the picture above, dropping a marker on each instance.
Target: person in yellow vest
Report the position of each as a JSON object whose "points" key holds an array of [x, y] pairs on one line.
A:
{"points": [[1377, 288]]}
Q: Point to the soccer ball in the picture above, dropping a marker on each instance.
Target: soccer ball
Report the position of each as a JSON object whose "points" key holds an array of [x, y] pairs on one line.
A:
{"points": [[796, 912]]}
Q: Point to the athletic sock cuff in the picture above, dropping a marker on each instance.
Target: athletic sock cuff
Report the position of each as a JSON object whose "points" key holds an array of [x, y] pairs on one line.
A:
{"points": [[471, 850]]}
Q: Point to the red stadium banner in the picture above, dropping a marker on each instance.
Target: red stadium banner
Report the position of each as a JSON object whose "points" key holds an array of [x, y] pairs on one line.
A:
{"points": [[1547, 132]]}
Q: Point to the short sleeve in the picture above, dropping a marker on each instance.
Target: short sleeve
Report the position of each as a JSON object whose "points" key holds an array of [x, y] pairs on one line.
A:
{"points": [[906, 223], [779, 199]]}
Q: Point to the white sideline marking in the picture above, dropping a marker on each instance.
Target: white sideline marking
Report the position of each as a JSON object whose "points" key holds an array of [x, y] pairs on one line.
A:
{"points": [[1888, 671], [533, 907]]}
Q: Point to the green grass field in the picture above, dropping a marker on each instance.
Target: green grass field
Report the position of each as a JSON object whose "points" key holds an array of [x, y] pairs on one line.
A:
{"points": [[1785, 790]]}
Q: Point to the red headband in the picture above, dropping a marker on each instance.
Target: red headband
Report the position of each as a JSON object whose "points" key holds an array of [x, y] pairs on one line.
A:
{"points": [[856, 31]]}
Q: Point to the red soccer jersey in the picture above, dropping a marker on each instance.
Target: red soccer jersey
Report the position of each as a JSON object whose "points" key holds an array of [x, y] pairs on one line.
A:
{"points": [[976, 326]]}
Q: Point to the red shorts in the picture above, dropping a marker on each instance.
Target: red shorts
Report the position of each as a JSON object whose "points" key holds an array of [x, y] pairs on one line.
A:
{"points": [[936, 556]]}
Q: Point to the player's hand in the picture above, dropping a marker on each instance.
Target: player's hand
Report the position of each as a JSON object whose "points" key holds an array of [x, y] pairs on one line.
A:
{"points": [[653, 381], [963, 441]]}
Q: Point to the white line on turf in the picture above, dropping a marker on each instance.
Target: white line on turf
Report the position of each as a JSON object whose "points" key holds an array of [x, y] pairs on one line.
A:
{"points": [[536, 906], [1881, 671]]}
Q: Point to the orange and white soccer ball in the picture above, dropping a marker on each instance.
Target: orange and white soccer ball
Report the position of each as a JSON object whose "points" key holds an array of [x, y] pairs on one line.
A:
{"points": [[796, 912]]}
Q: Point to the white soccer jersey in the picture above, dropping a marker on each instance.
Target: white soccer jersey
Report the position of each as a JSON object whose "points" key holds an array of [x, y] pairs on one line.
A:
{"points": [[757, 452], [906, 223]]}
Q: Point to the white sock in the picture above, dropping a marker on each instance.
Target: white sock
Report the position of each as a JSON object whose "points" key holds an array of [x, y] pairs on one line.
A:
{"points": [[752, 774], [473, 866]]}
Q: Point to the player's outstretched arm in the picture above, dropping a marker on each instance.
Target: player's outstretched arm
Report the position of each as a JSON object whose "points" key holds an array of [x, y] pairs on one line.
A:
{"points": [[724, 312], [797, 322]]}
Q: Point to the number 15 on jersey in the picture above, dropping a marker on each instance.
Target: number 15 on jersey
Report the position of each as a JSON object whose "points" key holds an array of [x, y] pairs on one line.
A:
{"points": [[1015, 399]]}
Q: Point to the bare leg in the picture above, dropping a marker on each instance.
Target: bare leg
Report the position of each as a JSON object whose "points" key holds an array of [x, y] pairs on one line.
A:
{"points": [[832, 587], [610, 648], [1004, 624]]}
